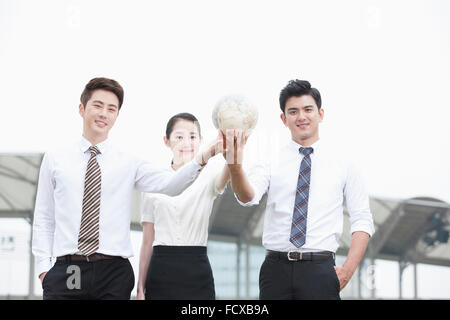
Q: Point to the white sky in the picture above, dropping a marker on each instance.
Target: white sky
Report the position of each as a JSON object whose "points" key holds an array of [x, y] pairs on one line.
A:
{"points": [[382, 67]]}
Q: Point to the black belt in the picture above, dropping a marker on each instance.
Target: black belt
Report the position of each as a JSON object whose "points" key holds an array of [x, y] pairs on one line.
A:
{"points": [[93, 257], [300, 256], [179, 250]]}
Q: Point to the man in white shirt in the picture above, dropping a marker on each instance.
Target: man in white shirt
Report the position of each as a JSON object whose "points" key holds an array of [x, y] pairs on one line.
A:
{"points": [[306, 189], [83, 204]]}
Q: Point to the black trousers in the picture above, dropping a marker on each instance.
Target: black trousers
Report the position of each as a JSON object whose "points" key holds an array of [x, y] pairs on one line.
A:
{"points": [[104, 279], [298, 280], [179, 273]]}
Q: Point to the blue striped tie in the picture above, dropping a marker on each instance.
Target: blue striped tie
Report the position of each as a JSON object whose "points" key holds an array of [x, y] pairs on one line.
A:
{"points": [[298, 228]]}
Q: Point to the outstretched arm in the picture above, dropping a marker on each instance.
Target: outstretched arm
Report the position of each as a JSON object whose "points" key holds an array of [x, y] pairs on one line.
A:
{"points": [[149, 179]]}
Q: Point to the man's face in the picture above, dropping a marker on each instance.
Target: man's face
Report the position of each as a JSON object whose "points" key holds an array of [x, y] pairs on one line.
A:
{"points": [[100, 113], [302, 117]]}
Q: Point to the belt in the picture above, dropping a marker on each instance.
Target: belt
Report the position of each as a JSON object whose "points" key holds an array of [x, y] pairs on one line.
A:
{"points": [[300, 256], [93, 257]]}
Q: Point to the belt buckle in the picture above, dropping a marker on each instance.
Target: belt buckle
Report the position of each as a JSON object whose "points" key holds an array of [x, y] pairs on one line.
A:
{"points": [[294, 259]]}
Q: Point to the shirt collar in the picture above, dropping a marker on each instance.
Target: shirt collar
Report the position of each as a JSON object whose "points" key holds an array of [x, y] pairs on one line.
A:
{"points": [[294, 146], [102, 146]]}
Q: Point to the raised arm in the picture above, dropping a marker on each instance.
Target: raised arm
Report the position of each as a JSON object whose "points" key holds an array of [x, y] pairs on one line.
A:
{"points": [[240, 184], [248, 189], [223, 178]]}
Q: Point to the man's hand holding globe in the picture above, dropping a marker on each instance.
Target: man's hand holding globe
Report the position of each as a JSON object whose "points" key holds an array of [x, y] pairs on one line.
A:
{"points": [[235, 117]]}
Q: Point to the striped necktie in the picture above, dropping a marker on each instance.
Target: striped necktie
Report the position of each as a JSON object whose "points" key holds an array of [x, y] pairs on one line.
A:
{"points": [[89, 230], [298, 227]]}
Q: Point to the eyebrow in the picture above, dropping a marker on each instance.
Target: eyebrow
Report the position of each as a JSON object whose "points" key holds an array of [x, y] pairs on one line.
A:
{"points": [[192, 132], [101, 102], [296, 108]]}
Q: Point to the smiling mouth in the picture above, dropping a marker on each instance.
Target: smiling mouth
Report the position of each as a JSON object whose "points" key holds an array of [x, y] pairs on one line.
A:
{"points": [[100, 123]]}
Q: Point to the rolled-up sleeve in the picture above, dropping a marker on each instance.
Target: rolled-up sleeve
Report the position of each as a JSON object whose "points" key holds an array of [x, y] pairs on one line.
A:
{"points": [[259, 179], [357, 200], [44, 218], [150, 179], [148, 208]]}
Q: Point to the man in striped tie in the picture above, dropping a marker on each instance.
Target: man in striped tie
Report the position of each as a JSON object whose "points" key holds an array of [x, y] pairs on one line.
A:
{"points": [[307, 187], [83, 204]]}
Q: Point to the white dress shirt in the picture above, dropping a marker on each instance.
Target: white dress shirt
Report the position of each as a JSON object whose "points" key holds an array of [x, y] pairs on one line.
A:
{"points": [[334, 179], [59, 199], [183, 220]]}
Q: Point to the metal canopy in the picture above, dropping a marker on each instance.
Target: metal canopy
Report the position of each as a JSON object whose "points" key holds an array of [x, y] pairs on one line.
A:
{"points": [[18, 180], [229, 218], [401, 225], [405, 231]]}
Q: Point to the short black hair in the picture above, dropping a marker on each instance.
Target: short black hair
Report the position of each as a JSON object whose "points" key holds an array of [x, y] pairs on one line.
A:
{"points": [[181, 116], [297, 88], [103, 84]]}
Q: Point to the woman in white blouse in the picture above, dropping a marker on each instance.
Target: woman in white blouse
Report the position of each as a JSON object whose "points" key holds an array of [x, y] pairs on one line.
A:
{"points": [[173, 261]]}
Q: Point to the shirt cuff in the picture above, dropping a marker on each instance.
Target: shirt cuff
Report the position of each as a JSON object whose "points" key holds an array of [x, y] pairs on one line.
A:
{"points": [[217, 192], [43, 265], [146, 218], [366, 227], [247, 204], [198, 164]]}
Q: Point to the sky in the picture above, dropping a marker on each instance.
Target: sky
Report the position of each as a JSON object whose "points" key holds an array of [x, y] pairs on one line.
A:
{"points": [[382, 68]]}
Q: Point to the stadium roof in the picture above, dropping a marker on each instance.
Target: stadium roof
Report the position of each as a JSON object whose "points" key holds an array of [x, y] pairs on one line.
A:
{"points": [[412, 230]]}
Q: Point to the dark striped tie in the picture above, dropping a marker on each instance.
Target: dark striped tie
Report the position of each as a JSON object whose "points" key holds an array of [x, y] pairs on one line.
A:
{"points": [[298, 228], [88, 236]]}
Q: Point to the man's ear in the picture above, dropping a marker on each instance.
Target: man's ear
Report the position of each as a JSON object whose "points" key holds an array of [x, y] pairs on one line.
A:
{"points": [[321, 114], [283, 118], [81, 110]]}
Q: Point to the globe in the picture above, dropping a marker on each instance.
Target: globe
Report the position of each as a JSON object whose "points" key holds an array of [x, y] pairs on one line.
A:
{"points": [[235, 112]]}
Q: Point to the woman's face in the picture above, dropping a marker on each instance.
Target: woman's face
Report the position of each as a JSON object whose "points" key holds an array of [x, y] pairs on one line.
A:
{"points": [[184, 141]]}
